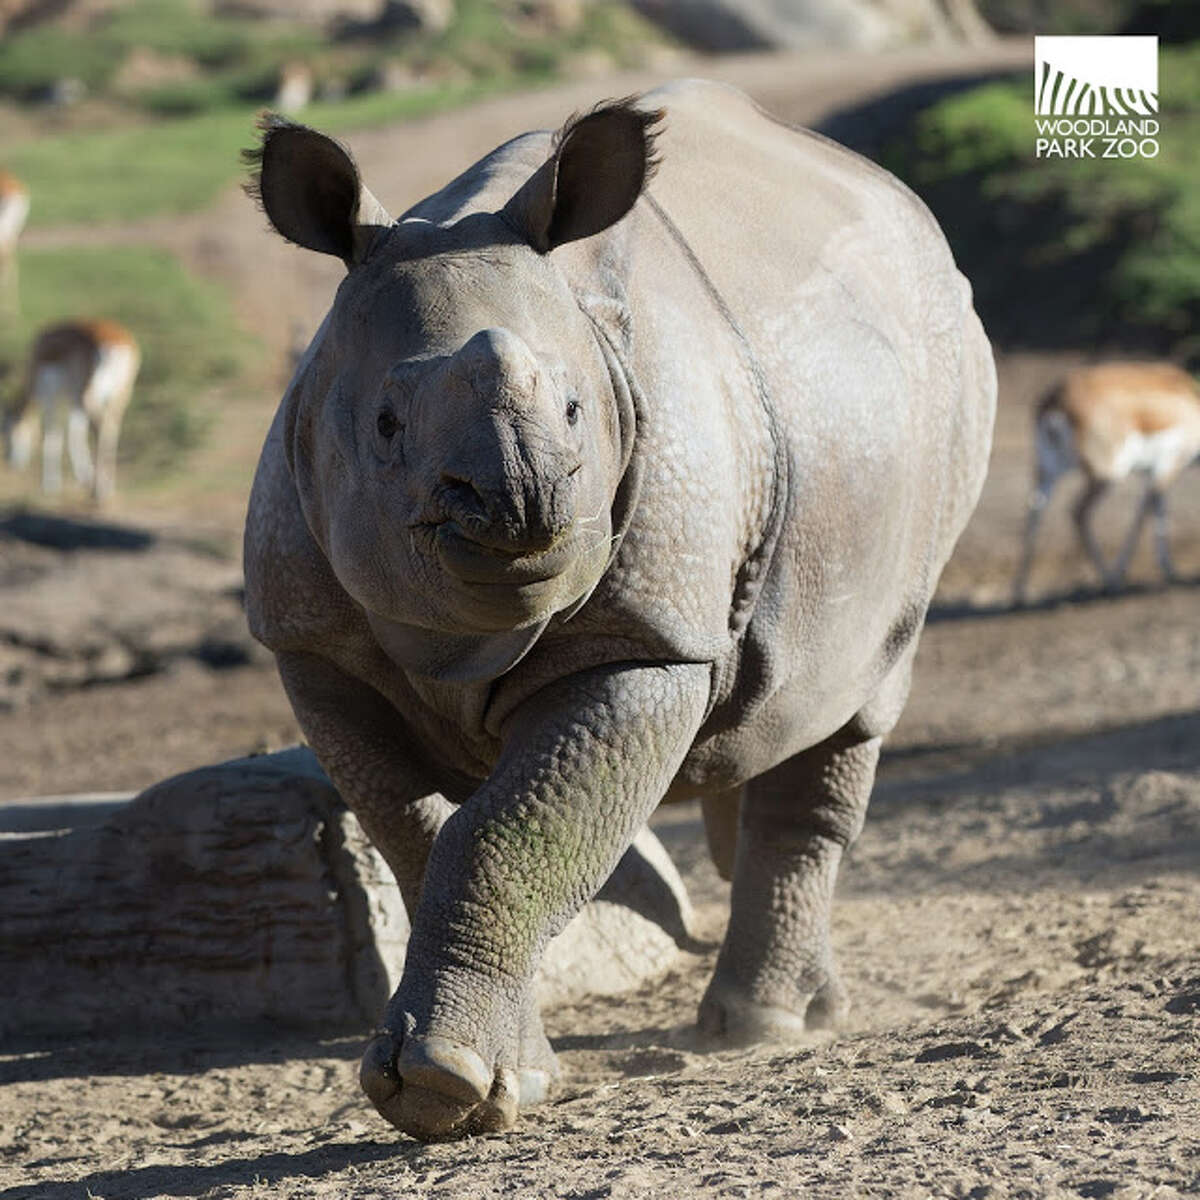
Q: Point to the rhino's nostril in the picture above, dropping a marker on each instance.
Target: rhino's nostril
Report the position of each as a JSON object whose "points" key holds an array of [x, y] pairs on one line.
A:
{"points": [[462, 495]]}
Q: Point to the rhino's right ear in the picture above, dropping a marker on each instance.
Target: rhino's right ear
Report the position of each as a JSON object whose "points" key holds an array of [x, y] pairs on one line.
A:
{"points": [[311, 191], [601, 162]]}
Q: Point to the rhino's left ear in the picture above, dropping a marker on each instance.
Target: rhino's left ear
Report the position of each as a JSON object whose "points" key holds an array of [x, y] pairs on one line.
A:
{"points": [[600, 164], [311, 192]]}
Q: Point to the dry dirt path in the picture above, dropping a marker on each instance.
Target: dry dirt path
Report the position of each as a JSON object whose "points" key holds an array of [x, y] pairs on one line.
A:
{"points": [[1017, 924]]}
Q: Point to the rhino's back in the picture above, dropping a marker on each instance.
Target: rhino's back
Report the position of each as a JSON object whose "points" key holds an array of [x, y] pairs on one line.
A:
{"points": [[879, 387]]}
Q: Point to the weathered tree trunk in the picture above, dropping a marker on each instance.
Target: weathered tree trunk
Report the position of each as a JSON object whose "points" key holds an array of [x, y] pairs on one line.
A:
{"points": [[246, 893]]}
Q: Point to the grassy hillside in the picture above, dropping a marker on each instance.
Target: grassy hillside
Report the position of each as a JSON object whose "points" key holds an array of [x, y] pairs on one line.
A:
{"points": [[179, 141]]}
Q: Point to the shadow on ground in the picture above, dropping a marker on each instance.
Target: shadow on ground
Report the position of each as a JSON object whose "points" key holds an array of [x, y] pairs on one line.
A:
{"points": [[868, 127], [144, 1182], [1052, 601], [35, 1059], [56, 532]]}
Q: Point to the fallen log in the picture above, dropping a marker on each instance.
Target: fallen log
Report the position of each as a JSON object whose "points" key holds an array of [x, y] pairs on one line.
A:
{"points": [[246, 893]]}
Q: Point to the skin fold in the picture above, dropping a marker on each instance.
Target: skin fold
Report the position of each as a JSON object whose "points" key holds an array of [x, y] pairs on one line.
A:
{"points": [[623, 468]]}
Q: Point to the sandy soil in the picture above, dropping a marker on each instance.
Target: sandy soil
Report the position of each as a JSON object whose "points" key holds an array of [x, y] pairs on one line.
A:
{"points": [[1017, 924]]}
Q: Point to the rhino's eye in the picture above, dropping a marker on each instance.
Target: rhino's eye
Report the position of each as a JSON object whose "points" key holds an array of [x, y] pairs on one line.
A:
{"points": [[572, 411], [386, 423]]}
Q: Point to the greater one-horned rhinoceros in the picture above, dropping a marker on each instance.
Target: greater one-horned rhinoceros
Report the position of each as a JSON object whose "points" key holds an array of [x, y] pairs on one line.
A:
{"points": [[623, 467]]}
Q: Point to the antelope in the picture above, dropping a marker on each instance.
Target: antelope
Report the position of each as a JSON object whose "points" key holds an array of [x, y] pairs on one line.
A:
{"points": [[14, 210], [295, 87], [1110, 421], [79, 380]]}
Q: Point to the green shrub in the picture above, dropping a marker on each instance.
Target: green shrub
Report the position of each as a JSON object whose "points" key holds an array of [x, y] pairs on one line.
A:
{"points": [[32, 61], [1067, 251]]}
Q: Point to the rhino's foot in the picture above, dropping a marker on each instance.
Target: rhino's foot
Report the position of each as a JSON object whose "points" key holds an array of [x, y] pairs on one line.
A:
{"points": [[734, 1015], [436, 1089]]}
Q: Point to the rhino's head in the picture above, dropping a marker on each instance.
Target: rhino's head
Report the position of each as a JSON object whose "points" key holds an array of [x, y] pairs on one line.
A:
{"points": [[456, 432]]}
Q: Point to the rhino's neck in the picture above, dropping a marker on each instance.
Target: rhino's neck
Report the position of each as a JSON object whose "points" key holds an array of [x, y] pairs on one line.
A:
{"points": [[453, 657]]}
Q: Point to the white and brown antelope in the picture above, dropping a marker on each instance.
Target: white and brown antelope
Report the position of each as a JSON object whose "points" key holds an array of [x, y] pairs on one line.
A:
{"points": [[14, 210], [78, 383], [1110, 421]]}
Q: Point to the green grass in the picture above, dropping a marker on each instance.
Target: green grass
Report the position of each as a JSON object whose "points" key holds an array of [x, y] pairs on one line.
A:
{"points": [[179, 164], [1077, 250], [190, 340], [32, 60]]}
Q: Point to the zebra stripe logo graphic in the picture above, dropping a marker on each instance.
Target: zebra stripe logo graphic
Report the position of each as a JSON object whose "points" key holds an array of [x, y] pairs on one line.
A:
{"points": [[1095, 76]]}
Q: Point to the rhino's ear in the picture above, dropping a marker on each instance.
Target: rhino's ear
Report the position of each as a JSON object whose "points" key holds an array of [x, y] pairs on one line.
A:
{"points": [[311, 192], [600, 164]]}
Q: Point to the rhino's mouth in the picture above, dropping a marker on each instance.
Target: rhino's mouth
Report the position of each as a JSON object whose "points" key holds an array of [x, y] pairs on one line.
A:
{"points": [[473, 562]]}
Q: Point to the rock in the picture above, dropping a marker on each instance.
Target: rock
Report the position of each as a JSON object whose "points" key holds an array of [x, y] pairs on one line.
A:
{"points": [[740, 25], [395, 16], [245, 893], [321, 13], [552, 16], [427, 16], [144, 68], [84, 602], [66, 92]]}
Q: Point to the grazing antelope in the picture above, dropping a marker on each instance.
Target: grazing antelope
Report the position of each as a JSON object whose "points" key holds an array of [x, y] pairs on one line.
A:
{"points": [[79, 381], [14, 209], [1109, 421]]}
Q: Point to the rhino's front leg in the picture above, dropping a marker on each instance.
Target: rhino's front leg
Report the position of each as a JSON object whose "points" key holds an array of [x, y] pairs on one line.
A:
{"points": [[585, 762], [374, 762]]}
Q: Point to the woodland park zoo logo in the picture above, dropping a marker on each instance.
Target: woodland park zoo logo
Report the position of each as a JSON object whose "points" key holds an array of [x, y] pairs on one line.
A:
{"points": [[1096, 97]]}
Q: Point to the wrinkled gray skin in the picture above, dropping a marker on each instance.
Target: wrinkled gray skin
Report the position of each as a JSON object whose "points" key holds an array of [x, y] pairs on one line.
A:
{"points": [[589, 494]]}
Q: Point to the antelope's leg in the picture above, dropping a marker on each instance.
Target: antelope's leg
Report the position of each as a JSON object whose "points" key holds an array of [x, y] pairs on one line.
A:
{"points": [[78, 450], [105, 481], [1083, 511], [52, 452], [1158, 503], [1033, 521], [1146, 506], [10, 304]]}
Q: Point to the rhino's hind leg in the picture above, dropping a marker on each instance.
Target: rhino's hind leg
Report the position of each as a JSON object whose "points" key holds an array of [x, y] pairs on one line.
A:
{"points": [[776, 976], [446, 1090], [720, 811]]}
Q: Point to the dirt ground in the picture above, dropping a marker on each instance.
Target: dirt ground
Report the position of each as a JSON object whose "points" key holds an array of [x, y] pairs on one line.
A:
{"points": [[1017, 924]]}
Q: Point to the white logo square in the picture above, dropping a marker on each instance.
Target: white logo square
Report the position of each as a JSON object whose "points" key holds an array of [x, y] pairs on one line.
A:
{"points": [[1095, 76]]}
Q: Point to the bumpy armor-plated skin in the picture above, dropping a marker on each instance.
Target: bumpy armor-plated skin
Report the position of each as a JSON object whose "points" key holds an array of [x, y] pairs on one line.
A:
{"points": [[756, 411]]}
